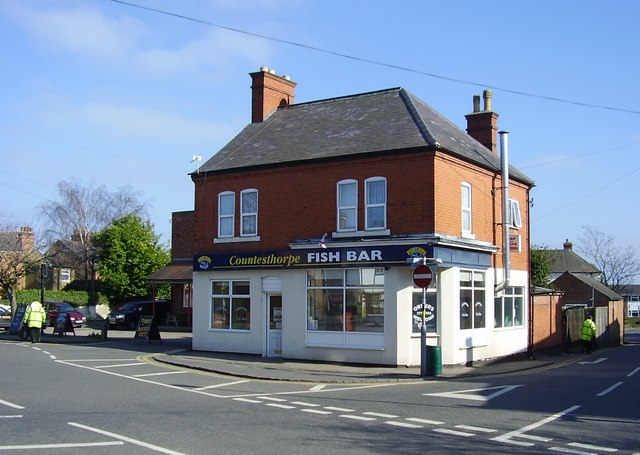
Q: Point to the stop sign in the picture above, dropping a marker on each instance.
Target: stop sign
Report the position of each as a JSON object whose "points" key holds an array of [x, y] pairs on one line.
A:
{"points": [[422, 276]]}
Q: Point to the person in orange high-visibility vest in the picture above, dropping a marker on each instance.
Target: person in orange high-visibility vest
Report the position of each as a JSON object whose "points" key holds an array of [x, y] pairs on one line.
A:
{"points": [[33, 318], [588, 334]]}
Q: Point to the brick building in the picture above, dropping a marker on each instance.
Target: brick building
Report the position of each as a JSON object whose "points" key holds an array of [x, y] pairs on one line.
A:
{"points": [[305, 222]]}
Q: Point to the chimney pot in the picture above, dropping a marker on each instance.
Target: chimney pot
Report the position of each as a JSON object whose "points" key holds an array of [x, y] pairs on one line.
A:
{"points": [[476, 103], [487, 95], [568, 245]]}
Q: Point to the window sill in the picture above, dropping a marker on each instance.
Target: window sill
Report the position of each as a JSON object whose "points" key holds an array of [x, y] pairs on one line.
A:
{"points": [[370, 233], [255, 238]]}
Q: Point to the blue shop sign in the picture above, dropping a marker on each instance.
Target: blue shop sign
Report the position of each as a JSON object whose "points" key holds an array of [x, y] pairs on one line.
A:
{"points": [[374, 256]]}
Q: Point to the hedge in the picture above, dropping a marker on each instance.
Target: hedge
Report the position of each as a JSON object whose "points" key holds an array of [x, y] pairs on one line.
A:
{"points": [[75, 298]]}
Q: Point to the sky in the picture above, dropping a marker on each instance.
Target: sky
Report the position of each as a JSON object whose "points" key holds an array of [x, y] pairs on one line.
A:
{"points": [[102, 92]]}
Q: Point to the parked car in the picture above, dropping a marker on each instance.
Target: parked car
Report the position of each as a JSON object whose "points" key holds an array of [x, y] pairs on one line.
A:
{"points": [[54, 309], [5, 318], [128, 314]]}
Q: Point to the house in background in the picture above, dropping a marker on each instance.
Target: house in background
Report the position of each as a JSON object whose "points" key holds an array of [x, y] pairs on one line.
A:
{"points": [[17, 250], [583, 293], [631, 295], [305, 222], [566, 260]]}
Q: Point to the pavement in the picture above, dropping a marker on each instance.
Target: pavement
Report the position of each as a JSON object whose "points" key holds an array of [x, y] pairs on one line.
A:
{"points": [[174, 348]]}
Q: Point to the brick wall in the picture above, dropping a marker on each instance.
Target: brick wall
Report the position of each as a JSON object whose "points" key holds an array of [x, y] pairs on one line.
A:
{"points": [[182, 228], [299, 203]]}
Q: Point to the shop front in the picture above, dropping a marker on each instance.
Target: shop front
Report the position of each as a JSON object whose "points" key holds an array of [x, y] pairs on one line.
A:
{"points": [[348, 304]]}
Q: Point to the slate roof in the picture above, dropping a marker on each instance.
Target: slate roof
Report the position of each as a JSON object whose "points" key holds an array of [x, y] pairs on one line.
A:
{"points": [[10, 241], [375, 122], [597, 285], [566, 260]]}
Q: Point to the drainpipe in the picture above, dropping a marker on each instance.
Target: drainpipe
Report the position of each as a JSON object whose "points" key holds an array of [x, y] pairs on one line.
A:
{"points": [[504, 163]]}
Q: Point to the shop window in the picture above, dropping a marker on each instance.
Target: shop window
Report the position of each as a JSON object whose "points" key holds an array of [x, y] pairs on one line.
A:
{"points": [[472, 299], [376, 203], [226, 213], [230, 305], [466, 209], [509, 308], [431, 314], [345, 300], [249, 212], [347, 205]]}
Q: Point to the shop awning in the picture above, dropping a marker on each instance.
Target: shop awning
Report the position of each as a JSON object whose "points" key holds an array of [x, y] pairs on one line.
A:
{"points": [[174, 272]]}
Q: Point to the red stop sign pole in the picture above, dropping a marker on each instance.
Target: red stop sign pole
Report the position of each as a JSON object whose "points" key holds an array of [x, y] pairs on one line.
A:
{"points": [[422, 276]]}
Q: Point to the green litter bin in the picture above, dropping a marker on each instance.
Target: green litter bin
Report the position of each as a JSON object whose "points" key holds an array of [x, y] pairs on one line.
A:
{"points": [[434, 361]]}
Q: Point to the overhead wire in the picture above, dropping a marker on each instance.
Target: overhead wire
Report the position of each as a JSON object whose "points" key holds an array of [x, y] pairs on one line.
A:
{"points": [[379, 63]]}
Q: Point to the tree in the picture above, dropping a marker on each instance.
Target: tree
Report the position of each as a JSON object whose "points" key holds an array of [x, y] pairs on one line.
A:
{"points": [[540, 267], [80, 213], [617, 265], [128, 252], [18, 257]]}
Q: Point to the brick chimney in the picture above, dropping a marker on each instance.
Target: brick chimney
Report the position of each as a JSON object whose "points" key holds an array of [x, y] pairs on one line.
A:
{"points": [[269, 92], [567, 245], [483, 125]]}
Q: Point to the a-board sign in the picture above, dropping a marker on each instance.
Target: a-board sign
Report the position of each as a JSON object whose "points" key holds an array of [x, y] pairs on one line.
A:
{"points": [[147, 330], [63, 325], [17, 320]]}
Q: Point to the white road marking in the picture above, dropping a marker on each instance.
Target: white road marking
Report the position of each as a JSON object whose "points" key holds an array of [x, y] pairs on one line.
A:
{"points": [[318, 387], [303, 403], [62, 445], [331, 408], [573, 451], [281, 406], [316, 411], [11, 405], [16, 416], [247, 400], [118, 365], [160, 374], [271, 398], [464, 395], [478, 429], [355, 417], [377, 414], [99, 360], [425, 421], [520, 432], [126, 439], [215, 386], [453, 432], [604, 392], [633, 372], [600, 360], [402, 424], [592, 447]]}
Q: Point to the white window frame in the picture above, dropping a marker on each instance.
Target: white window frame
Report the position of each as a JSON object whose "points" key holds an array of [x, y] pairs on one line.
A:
{"points": [[226, 216], [229, 298], [515, 219], [511, 295], [466, 210], [65, 275], [477, 307], [347, 207], [375, 205], [248, 214]]}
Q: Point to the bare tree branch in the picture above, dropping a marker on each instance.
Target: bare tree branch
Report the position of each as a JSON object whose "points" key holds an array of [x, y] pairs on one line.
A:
{"points": [[617, 265]]}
